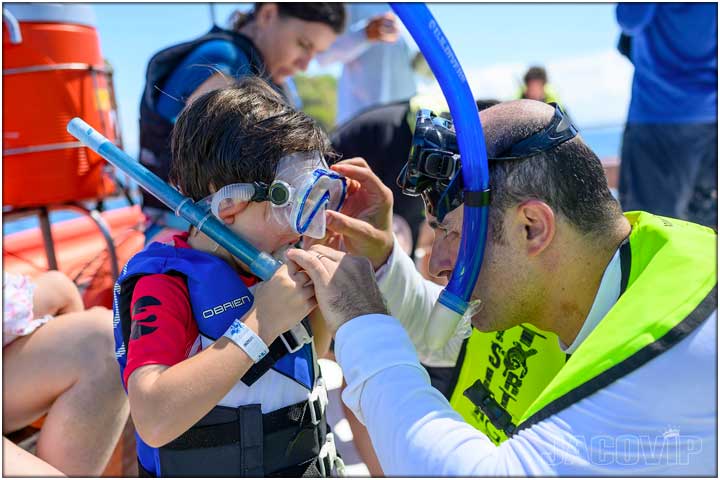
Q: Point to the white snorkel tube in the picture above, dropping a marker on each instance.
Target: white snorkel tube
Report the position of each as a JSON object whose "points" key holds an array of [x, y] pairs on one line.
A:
{"points": [[455, 298]]}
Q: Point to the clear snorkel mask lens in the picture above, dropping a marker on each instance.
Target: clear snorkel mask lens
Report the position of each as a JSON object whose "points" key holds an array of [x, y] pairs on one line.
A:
{"points": [[309, 188], [303, 188]]}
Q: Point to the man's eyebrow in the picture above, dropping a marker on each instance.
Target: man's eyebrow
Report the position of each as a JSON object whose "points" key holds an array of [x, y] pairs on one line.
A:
{"points": [[434, 225]]}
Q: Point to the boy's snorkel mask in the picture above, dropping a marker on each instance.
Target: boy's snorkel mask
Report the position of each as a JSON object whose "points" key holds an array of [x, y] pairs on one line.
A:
{"points": [[303, 188], [433, 169]]}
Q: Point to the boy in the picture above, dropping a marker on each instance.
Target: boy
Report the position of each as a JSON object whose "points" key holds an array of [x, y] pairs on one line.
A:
{"points": [[214, 388]]}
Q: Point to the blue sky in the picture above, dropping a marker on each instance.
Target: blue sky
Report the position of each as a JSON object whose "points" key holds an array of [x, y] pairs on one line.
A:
{"points": [[494, 43]]}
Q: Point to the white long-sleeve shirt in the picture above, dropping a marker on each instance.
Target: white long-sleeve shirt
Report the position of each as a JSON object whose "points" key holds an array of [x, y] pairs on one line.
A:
{"points": [[373, 73], [410, 298], [658, 420]]}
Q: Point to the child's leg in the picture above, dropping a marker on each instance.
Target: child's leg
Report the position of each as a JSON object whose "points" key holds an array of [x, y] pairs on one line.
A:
{"points": [[67, 369], [55, 294], [19, 463]]}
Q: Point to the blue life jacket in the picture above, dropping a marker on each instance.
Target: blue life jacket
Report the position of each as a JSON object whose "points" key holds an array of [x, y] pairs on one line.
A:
{"points": [[217, 296]]}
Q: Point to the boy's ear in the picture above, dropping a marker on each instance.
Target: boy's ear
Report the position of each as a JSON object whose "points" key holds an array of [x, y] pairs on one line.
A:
{"points": [[229, 209]]}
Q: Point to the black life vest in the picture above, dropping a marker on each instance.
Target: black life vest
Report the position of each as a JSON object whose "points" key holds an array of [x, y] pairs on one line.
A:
{"points": [[155, 130]]}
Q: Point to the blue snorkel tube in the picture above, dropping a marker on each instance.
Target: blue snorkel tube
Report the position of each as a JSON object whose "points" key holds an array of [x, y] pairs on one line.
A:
{"points": [[260, 263], [454, 299]]}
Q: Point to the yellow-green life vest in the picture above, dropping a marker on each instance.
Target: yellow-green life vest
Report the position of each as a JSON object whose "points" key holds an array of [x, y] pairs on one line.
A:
{"points": [[669, 287], [513, 366], [551, 95]]}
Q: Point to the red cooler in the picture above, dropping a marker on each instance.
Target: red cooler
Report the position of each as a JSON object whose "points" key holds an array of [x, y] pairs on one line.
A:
{"points": [[53, 70]]}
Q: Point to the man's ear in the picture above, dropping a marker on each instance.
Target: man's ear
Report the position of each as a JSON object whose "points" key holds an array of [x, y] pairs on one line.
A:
{"points": [[538, 220], [266, 14]]}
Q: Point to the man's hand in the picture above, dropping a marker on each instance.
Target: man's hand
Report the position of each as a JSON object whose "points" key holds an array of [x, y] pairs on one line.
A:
{"points": [[345, 285], [382, 28], [365, 220]]}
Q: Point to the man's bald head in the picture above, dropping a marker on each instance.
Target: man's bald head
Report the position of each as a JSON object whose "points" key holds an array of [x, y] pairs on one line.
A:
{"points": [[508, 123], [569, 177]]}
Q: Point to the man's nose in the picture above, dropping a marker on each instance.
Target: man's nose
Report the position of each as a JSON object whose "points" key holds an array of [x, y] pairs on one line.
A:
{"points": [[440, 262]]}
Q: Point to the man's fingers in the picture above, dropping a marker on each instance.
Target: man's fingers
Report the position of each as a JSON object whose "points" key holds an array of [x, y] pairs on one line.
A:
{"points": [[357, 161], [362, 174], [328, 252], [366, 178], [340, 223], [352, 186], [292, 268], [312, 265], [336, 242], [302, 278]]}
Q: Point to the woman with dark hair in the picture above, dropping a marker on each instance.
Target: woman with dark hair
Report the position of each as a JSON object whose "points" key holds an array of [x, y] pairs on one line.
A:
{"points": [[273, 41]]}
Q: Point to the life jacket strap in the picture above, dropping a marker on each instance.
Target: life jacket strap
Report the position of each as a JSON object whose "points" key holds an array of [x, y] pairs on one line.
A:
{"points": [[483, 399], [288, 342]]}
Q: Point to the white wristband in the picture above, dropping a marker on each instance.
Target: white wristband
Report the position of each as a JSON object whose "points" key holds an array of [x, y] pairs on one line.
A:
{"points": [[248, 340]]}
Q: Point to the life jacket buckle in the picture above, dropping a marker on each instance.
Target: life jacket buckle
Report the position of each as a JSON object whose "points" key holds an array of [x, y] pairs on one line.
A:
{"points": [[296, 338], [329, 459], [318, 402]]}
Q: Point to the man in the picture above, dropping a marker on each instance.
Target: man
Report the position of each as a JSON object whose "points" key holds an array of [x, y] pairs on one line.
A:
{"points": [[669, 151], [536, 87], [632, 298], [516, 363], [376, 60]]}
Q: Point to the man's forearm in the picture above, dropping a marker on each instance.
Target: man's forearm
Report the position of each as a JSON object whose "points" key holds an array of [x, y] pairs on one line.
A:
{"points": [[413, 428], [409, 296]]}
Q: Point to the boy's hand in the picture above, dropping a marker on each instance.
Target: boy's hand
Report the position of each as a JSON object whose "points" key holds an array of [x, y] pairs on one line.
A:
{"points": [[283, 301]]}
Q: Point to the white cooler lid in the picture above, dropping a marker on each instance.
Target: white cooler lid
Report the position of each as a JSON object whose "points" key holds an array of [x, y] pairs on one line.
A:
{"points": [[72, 13]]}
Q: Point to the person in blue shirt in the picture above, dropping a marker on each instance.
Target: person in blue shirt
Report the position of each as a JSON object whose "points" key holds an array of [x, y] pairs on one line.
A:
{"points": [[669, 152], [274, 41]]}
